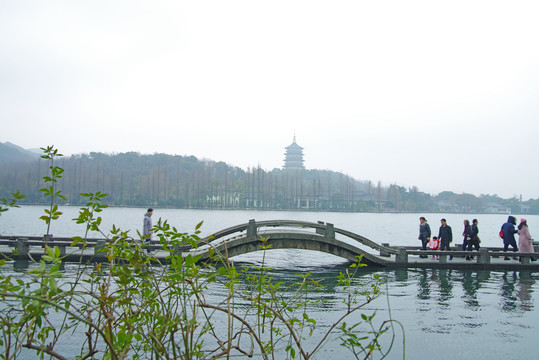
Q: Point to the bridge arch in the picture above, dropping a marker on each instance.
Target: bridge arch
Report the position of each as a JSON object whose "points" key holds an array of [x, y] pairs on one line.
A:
{"points": [[286, 234]]}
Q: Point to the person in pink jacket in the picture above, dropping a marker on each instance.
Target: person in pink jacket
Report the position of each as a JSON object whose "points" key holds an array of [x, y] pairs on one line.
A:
{"points": [[524, 238], [434, 244]]}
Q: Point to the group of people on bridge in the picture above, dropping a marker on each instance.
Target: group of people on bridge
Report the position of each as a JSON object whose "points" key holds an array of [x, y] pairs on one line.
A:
{"points": [[471, 239]]}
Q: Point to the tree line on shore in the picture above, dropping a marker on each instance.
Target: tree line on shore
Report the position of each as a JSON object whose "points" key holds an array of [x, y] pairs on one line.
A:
{"points": [[161, 180]]}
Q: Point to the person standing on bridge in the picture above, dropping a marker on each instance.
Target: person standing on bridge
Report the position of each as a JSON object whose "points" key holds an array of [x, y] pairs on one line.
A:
{"points": [[524, 238], [474, 239], [445, 234], [467, 236], [509, 232], [424, 233], [147, 228]]}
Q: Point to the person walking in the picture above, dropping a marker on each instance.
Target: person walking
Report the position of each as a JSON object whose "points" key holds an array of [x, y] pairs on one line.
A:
{"points": [[474, 239], [147, 228], [524, 238], [445, 235], [467, 236], [509, 232], [424, 234]]}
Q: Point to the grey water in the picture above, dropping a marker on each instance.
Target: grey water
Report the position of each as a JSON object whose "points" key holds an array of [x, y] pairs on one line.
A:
{"points": [[446, 314]]}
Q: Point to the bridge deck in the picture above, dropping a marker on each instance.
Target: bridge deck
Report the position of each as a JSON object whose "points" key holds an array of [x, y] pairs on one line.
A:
{"points": [[414, 261]]}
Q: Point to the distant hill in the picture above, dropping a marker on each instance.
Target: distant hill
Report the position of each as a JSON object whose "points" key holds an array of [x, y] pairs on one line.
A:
{"points": [[11, 153], [174, 181]]}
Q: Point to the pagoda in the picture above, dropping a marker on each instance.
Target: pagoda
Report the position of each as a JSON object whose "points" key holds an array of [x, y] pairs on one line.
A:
{"points": [[293, 156]]}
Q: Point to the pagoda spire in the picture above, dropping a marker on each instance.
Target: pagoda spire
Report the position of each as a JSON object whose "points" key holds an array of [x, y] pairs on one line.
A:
{"points": [[294, 156]]}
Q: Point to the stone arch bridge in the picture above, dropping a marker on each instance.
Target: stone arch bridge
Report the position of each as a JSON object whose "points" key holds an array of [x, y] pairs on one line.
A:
{"points": [[291, 234], [288, 234]]}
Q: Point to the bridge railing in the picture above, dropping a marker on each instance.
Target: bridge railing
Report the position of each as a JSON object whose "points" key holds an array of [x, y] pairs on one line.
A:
{"points": [[255, 229], [484, 255], [252, 228], [22, 245], [327, 230]]}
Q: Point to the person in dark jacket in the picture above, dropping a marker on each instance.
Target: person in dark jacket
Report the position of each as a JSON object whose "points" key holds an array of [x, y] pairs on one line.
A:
{"points": [[467, 236], [147, 228], [509, 232], [445, 234], [474, 239], [424, 233]]}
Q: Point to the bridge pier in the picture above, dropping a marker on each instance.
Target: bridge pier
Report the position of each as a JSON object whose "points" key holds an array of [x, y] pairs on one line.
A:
{"points": [[443, 259], [22, 248], [402, 256], [484, 256], [62, 249]]}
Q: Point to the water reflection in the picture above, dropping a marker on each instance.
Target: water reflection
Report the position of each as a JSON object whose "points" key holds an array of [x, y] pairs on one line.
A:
{"points": [[20, 265], [471, 283], [511, 290], [446, 286], [517, 291], [435, 284], [423, 284], [401, 275], [524, 293], [467, 314], [507, 294]]}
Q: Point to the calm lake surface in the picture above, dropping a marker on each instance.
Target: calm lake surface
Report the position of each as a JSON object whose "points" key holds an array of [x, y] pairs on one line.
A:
{"points": [[447, 314]]}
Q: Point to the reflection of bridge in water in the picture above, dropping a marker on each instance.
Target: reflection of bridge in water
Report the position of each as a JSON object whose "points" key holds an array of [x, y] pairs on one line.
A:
{"points": [[291, 234]]}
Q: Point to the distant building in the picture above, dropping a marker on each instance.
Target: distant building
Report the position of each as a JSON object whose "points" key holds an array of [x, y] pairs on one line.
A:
{"points": [[293, 156], [494, 208], [446, 206]]}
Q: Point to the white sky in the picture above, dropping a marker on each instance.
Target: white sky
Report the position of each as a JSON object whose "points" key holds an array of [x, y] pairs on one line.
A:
{"points": [[442, 95]]}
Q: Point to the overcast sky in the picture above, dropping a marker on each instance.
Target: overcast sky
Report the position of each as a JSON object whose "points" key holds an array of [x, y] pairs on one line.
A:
{"points": [[443, 95]]}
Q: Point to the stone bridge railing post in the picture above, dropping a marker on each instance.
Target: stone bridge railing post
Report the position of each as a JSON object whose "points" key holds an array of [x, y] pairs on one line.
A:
{"points": [[251, 228], [320, 231], [47, 238], [402, 256], [383, 252], [62, 249], [100, 250], [330, 231]]}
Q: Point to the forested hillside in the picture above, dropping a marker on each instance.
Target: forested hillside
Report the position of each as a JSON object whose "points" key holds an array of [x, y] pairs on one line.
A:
{"points": [[161, 180], [184, 181], [10, 153]]}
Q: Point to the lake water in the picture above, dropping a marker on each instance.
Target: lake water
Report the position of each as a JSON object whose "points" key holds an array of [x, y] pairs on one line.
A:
{"points": [[447, 314]]}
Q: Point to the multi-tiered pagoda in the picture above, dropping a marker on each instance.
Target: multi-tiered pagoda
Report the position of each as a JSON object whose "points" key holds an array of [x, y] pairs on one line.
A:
{"points": [[293, 156]]}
